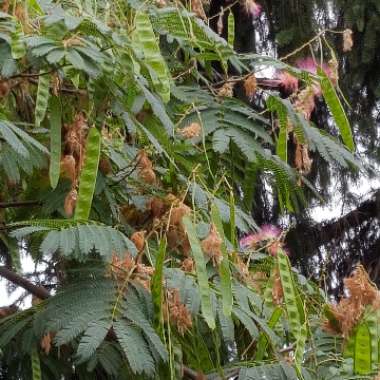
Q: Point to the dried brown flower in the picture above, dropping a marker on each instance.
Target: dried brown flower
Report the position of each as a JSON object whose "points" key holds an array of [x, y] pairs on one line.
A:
{"points": [[219, 24], [211, 246], [188, 265], [68, 167], [349, 310], [70, 202], [227, 90], [277, 290], [56, 84], [148, 176], [348, 42], [105, 165], [138, 238], [160, 3], [303, 162], [250, 86], [192, 130], [176, 312], [197, 8], [5, 6], [46, 342], [143, 161], [157, 207], [177, 213], [4, 88]]}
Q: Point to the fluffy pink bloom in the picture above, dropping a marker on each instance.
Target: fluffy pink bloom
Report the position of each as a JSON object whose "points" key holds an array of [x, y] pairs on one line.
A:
{"points": [[308, 64], [253, 8], [269, 232], [266, 232], [288, 82]]}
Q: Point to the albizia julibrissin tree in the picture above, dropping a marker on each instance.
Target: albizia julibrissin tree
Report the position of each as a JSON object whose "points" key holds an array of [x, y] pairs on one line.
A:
{"points": [[127, 167]]}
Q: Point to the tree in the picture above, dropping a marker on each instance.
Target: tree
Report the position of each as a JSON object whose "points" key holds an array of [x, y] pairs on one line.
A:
{"points": [[131, 137]]}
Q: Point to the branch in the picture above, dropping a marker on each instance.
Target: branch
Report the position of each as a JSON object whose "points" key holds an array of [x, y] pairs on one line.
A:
{"points": [[19, 204], [36, 290], [320, 234]]}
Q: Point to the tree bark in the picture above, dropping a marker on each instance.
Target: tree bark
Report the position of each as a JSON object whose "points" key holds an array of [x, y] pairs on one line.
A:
{"points": [[36, 290]]}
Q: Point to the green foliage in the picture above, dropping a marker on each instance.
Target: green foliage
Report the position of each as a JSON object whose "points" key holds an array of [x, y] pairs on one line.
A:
{"points": [[130, 100], [201, 270]]}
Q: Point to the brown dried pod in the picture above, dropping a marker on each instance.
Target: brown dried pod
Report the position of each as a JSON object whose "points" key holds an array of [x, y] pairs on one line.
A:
{"points": [[70, 202], [68, 167], [348, 42]]}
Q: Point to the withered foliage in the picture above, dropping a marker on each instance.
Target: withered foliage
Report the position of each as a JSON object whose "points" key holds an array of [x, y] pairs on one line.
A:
{"points": [[227, 90], [348, 42], [348, 312], [176, 312], [192, 130], [128, 269], [74, 141], [197, 8], [145, 168], [212, 246], [250, 86]]}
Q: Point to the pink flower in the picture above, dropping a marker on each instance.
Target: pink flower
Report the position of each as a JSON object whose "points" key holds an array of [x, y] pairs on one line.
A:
{"points": [[267, 232], [288, 82], [253, 8], [249, 241]]}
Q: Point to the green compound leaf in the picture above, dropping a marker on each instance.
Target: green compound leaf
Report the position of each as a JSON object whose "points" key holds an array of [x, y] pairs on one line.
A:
{"points": [[55, 140], [88, 175], [201, 272], [146, 41]]}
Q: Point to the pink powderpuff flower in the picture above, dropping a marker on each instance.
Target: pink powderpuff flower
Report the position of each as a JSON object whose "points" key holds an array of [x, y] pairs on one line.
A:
{"points": [[288, 82], [266, 232], [249, 241], [253, 8], [270, 232]]}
